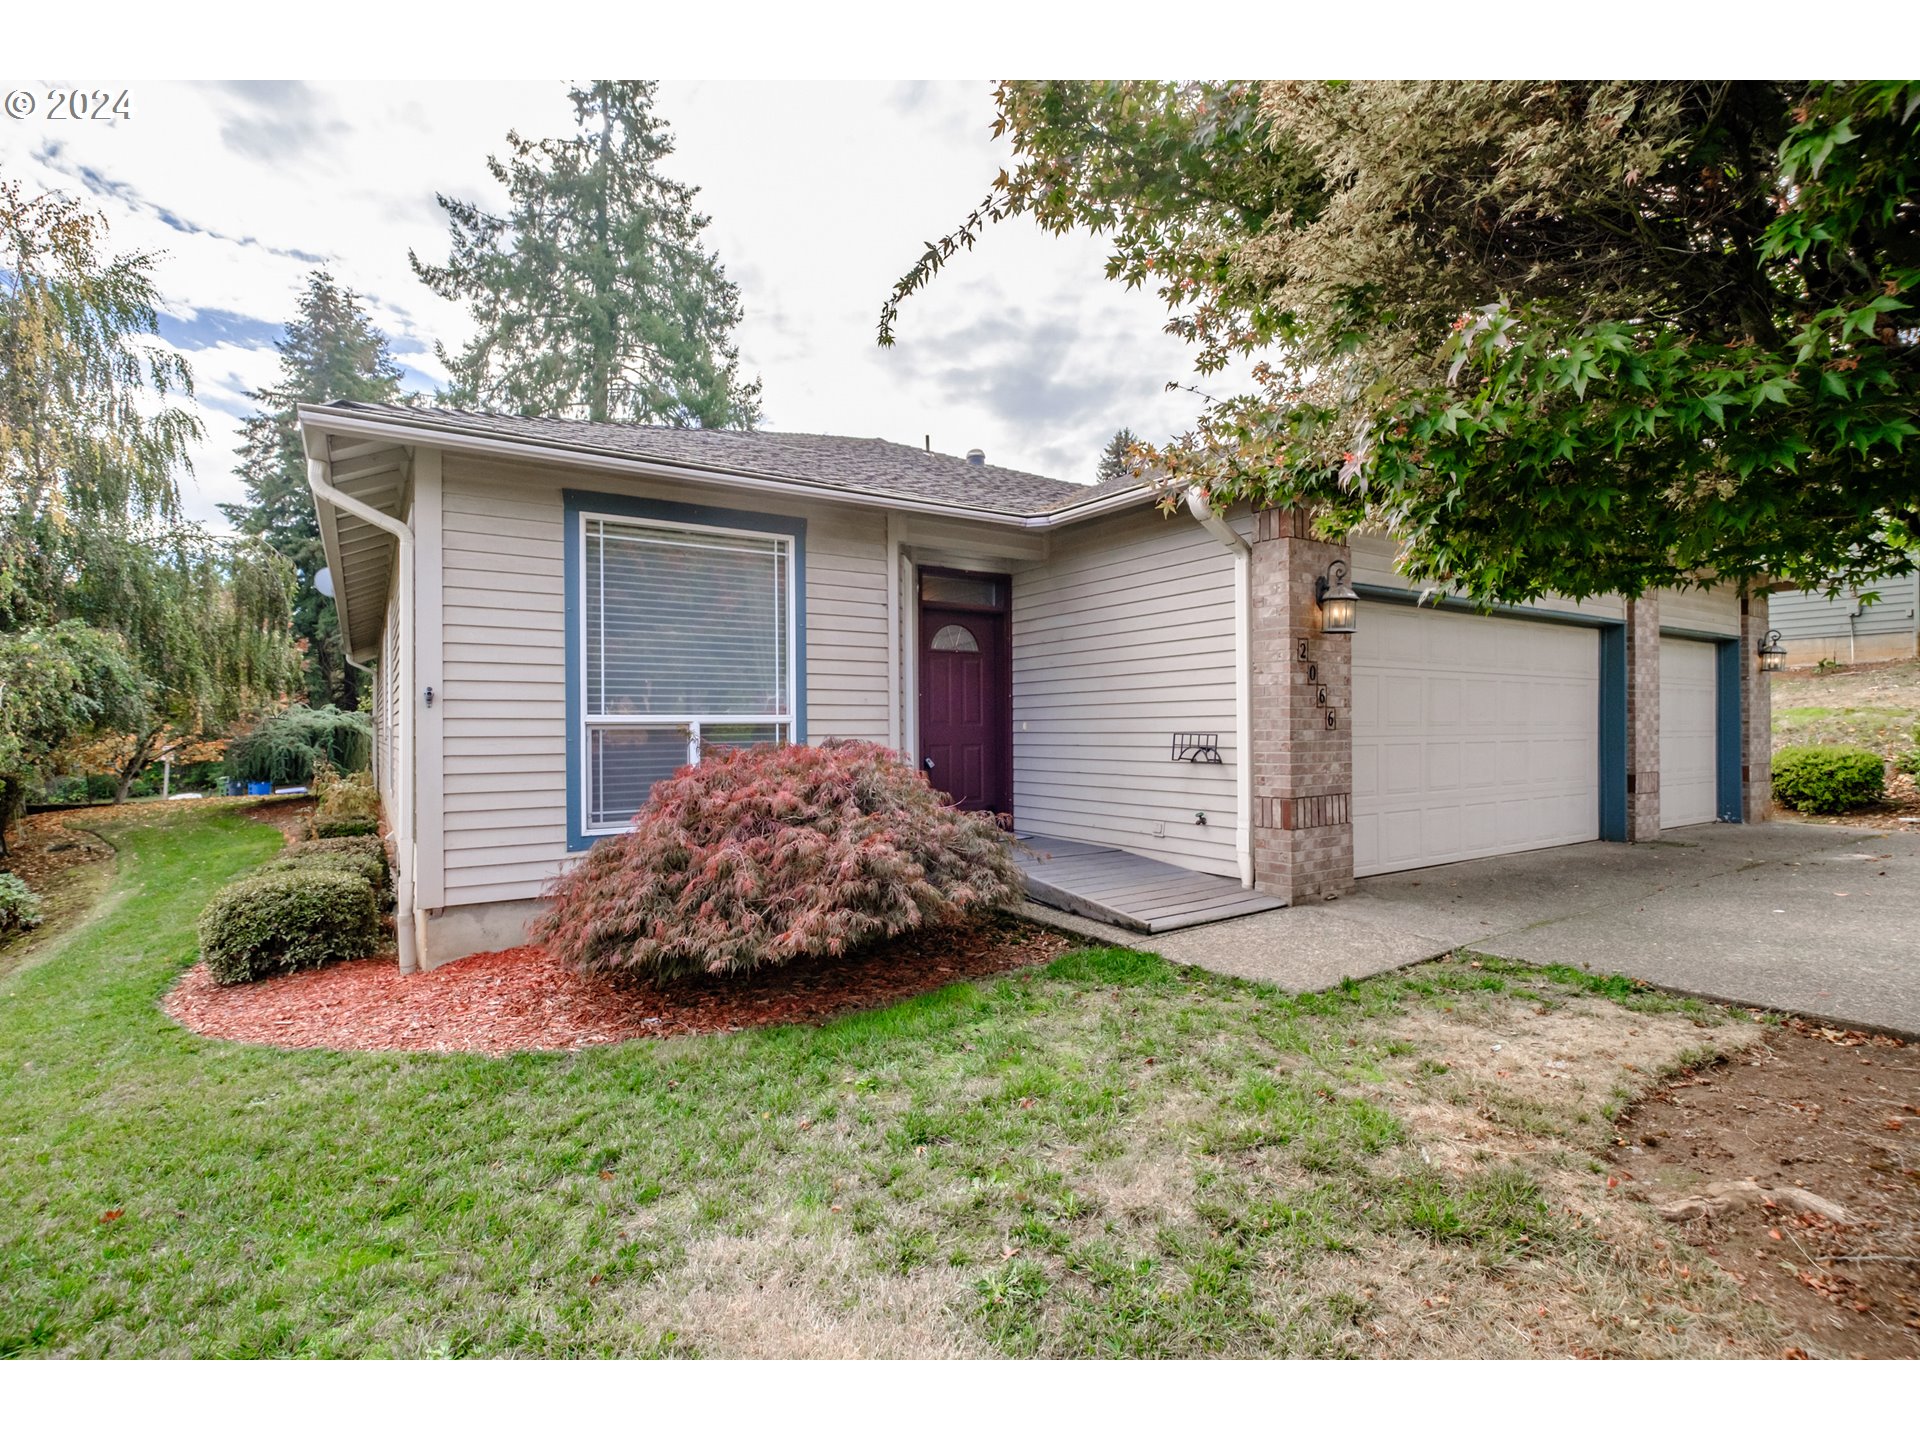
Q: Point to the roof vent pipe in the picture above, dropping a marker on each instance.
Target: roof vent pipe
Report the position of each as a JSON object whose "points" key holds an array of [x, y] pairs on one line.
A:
{"points": [[976, 456]]}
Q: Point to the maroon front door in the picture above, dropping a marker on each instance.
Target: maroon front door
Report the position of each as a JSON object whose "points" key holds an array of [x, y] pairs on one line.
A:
{"points": [[966, 723]]}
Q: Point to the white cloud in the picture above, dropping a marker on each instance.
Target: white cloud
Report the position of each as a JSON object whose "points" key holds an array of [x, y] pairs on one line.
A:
{"points": [[821, 195]]}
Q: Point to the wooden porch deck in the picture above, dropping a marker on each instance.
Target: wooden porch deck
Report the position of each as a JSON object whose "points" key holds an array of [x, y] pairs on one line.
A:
{"points": [[1130, 890]]}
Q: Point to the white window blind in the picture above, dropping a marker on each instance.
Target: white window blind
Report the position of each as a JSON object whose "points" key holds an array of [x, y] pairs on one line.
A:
{"points": [[688, 643]]}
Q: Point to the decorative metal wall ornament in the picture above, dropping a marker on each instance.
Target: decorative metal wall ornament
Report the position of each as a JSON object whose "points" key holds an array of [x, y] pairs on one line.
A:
{"points": [[1197, 747]]}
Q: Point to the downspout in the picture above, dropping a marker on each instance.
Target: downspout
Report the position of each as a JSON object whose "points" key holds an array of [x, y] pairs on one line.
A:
{"points": [[403, 880], [896, 642], [1202, 510]]}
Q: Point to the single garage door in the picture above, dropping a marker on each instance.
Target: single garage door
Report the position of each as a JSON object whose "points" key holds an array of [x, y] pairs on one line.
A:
{"points": [[1471, 736], [1689, 736]]}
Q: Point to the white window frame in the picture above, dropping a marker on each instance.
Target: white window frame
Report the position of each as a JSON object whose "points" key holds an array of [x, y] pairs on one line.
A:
{"points": [[691, 723]]}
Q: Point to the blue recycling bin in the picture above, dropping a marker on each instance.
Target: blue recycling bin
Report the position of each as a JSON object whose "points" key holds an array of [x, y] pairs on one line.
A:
{"points": [[259, 787]]}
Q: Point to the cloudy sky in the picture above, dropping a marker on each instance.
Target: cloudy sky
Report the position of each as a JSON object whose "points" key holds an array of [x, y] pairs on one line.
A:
{"points": [[820, 195]]}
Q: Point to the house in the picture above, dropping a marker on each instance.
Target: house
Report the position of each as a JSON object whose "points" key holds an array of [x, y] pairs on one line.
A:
{"points": [[1878, 620], [561, 613]]}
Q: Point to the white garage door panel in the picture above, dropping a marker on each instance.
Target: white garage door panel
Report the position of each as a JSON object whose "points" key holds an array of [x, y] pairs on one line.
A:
{"points": [[1471, 736], [1689, 736]]}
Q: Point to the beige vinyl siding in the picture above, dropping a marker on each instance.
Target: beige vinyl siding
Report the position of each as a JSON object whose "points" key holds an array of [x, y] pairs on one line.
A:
{"points": [[1712, 612], [504, 657], [1374, 563], [1122, 637]]}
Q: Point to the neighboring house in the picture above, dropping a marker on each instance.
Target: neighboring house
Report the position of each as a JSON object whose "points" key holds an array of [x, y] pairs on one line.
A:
{"points": [[1878, 620], [562, 613]]}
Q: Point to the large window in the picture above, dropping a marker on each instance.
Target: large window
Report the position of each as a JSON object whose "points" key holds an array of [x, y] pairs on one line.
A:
{"points": [[687, 643]]}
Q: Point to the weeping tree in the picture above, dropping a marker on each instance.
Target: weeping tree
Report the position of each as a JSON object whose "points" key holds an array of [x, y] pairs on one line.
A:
{"points": [[206, 621], [58, 683], [286, 748], [95, 427], [93, 430], [1569, 337]]}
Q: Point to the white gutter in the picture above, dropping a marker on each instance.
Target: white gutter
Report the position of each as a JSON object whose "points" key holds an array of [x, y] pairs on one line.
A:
{"points": [[1202, 510], [451, 437], [403, 841]]}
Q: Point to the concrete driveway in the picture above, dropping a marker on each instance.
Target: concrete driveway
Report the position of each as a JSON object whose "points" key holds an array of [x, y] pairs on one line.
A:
{"points": [[1816, 919]]}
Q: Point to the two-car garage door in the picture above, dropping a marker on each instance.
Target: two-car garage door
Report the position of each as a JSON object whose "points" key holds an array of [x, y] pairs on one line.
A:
{"points": [[1471, 736]]}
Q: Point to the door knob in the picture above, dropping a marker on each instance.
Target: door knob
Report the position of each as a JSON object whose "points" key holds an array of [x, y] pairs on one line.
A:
{"points": [[929, 762]]}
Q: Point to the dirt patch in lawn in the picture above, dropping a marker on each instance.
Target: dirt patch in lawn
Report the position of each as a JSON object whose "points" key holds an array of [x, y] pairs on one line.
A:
{"points": [[292, 816], [523, 999], [67, 868], [42, 848], [1833, 1113]]}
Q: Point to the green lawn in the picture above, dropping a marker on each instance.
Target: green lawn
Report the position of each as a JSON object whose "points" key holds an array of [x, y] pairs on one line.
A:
{"points": [[1104, 1158]]}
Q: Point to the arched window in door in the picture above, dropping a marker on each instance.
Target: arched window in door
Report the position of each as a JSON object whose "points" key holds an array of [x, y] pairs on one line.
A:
{"points": [[956, 638]]}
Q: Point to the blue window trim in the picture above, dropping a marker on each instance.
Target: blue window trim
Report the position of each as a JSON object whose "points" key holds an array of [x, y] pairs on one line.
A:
{"points": [[577, 504], [1613, 683]]}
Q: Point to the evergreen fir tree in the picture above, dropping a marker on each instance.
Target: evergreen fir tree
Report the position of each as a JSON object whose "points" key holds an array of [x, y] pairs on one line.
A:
{"points": [[594, 296], [1113, 459], [331, 351]]}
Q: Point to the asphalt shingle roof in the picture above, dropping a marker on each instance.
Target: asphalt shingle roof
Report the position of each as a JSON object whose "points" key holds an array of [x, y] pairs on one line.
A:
{"points": [[826, 462]]}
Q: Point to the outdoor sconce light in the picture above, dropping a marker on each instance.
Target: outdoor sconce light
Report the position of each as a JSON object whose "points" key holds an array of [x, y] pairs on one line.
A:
{"points": [[1337, 601], [1772, 653]]}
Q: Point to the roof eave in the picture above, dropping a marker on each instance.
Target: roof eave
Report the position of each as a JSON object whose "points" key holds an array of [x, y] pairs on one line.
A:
{"points": [[330, 546], [317, 419]]}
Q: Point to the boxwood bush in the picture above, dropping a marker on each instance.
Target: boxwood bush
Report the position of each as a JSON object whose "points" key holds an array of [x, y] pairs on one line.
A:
{"points": [[278, 920], [1828, 779], [757, 857], [368, 846], [369, 867]]}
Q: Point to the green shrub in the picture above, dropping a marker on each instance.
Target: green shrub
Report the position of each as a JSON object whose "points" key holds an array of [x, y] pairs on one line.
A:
{"points": [[369, 868], [19, 906], [275, 921], [1828, 779], [363, 845], [349, 806]]}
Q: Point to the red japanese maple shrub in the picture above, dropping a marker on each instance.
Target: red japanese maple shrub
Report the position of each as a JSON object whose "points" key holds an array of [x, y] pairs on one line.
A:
{"points": [[757, 857]]}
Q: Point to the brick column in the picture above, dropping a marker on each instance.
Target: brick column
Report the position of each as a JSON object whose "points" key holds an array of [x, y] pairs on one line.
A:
{"points": [[1756, 715], [1302, 719], [1643, 717]]}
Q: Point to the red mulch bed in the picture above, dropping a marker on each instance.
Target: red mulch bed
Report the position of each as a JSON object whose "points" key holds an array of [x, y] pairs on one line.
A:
{"points": [[523, 999]]}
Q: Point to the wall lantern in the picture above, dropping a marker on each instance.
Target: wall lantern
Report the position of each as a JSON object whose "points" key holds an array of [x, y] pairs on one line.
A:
{"points": [[1773, 654], [1337, 601]]}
